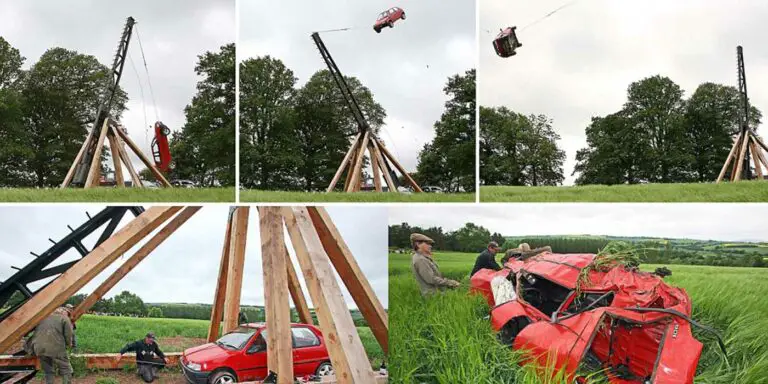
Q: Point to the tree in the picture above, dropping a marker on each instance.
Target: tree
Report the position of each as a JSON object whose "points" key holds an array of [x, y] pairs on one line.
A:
{"points": [[155, 312], [204, 148], [103, 306], [472, 237], [269, 154], [10, 64], [518, 150], [449, 160], [324, 125], [76, 299], [127, 303]]}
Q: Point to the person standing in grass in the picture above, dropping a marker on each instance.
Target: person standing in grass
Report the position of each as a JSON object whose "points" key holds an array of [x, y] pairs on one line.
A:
{"points": [[487, 258], [242, 318], [149, 357], [49, 343], [424, 269]]}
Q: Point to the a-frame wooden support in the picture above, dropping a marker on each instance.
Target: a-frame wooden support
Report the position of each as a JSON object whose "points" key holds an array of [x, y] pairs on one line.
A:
{"points": [[746, 144], [86, 173], [381, 161]]}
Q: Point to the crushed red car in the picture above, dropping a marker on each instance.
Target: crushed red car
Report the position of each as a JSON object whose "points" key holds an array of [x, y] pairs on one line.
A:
{"points": [[388, 18], [629, 325], [506, 43]]}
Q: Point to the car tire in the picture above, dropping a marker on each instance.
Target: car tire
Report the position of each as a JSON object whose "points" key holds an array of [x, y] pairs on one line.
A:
{"points": [[391, 24], [324, 369], [509, 331], [403, 16], [223, 377], [378, 30], [166, 131]]}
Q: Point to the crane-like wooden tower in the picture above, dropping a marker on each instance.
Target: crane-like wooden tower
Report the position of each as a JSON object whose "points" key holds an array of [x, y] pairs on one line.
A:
{"points": [[319, 250], [748, 148]]}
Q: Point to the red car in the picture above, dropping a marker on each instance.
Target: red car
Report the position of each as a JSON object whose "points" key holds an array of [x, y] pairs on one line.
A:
{"points": [[388, 18], [506, 42], [160, 149], [241, 355], [628, 324]]}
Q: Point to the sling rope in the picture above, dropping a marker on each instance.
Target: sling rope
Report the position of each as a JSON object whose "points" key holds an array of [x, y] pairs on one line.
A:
{"points": [[143, 104], [336, 30], [146, 69], [550, 13]]}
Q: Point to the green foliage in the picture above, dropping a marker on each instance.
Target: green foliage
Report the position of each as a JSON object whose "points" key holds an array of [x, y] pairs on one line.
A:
{"points": [[660, 137], [76, 299], [107, 380], [469, 238], [117, 195], [155, 312], [449, 160], [10, 64], [295, 197], [518, 150], [204, 149], [127, 303]]}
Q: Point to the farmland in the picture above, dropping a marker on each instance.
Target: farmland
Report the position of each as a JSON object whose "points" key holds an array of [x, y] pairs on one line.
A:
{"points": [[444, 339], [744, 191], [117, 195], [352, 197]]}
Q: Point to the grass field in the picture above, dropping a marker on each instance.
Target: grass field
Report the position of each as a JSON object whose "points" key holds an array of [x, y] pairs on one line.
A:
{"points": [[444, 339], [118, 195], [357, 197], [745, 191]]}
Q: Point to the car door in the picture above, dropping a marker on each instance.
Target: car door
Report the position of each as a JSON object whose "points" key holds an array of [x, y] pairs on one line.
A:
{"points": [[308, 351], [254, 365]]}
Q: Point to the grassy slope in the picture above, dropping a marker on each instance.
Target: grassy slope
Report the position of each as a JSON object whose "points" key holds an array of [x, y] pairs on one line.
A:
{"points": [[445, 339], [300, 197], [753, 191], [118, 195]]}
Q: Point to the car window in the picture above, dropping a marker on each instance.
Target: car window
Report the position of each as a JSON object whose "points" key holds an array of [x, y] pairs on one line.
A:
{"points": [[259, 345], [304, 337], [237, 338]]}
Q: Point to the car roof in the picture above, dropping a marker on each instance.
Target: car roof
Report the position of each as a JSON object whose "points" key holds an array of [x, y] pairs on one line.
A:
{"points": [[261, 325], [560, 268]]}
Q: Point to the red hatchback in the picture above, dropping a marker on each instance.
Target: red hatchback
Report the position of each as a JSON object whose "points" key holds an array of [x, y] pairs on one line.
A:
{"points": [[388, 18], [241, 355]]}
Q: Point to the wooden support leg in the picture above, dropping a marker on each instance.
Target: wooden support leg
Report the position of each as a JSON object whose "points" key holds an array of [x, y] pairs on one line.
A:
{"points": [[348, 357], [350, 169], [756, 159], [76, 277], [114, 149], [742, 153], [759, 154], [83, 148], [93, 173], [135, 148], [349, 271], [127, 161], [344, 162], [297, 295], [278, 312], [391, 187], [728, 161], [400, 168], [375, 167], [217, 310], [134, 260], [357, 169], [236, 263]]}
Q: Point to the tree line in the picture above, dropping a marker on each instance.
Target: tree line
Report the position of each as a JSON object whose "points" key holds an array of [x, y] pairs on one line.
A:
{"points": [[47, 110], [469, 238], [294, 138]]}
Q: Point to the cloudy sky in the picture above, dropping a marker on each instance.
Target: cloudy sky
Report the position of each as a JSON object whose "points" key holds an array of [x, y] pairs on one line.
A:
{"points": [[579, 62], [185, 267], [173, 33], [693, 221], [405, 67]]}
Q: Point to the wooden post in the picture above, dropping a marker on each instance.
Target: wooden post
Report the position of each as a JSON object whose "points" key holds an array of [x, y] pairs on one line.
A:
{"points": [[350, 273], [343, 165], [350, 169], [400, 168], [236, 263], [127, 161], [71, 172], [135, 148], [742, 153], [357, 169], [114, 143], [93, 173], [68, 283], [278, 311], [756, 160], [348, 357], [134, 260], [217, 310], [383, 166], [759, 153], [297, 295], [374, 167], [727, 161]]}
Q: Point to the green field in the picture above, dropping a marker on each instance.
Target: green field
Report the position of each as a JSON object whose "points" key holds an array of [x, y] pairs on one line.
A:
{"points": [[118, 195], [444, 339], [745, 191], [355, 197]]}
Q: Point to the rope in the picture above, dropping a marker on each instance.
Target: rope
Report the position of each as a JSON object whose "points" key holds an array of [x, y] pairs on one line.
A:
{"points": [[146, 69], [143, 104], [336, 30], [550, 14]]}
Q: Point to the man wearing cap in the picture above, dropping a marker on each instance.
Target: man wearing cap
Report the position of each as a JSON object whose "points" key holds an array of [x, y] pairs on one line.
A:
{"points": [[49, 343], [149, 357], [524, 251], [424, 269], [487, 258]]}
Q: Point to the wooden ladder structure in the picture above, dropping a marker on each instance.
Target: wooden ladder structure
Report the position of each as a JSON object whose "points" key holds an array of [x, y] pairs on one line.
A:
{"points": [[319, 249]]}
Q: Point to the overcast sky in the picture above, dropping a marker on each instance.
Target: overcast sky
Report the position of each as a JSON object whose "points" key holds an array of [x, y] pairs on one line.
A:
{"points": [[185, 267], [405, 67], [173, 33], [693, 221], [579, 62]]}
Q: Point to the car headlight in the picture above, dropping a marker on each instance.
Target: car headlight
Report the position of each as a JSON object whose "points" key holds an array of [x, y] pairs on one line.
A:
{"points": [[194, 366]]}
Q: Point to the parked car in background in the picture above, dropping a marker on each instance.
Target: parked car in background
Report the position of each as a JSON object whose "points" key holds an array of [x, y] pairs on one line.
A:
{"points": [[241, 355], [432, 189], [183, 183]]}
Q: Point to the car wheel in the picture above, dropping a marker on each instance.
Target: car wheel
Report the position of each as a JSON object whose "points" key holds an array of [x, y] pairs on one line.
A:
{"points": [[391, 24], [223, 377], [403, 16], [378, 30], [325, 369], [509, 331], [166, 131]]}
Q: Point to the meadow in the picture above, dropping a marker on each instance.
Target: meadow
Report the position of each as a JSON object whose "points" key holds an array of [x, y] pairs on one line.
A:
{"points": [[352, 197], [445, 338], [744, 191], [117, 195]]}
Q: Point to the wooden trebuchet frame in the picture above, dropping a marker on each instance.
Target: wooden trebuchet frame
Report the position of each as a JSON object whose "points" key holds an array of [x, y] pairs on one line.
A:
{"points": [[381, 161], [112, 132], [746, 143]]}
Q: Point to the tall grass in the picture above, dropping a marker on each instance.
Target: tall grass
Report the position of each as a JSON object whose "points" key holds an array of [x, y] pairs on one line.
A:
{"points": [[445, 338], [117, 195], [362, 197]]}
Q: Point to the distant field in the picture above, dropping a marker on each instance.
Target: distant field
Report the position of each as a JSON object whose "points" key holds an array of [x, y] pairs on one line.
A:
{"points": [[118, 195], [444, 339], [745, 191], [359, 197]]}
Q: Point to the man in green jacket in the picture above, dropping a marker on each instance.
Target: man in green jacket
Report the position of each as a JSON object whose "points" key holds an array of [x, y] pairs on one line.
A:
{"points": [[49, 343], [424, 269]]}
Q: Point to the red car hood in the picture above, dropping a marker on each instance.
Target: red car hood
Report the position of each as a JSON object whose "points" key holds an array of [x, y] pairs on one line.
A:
{"points": [[206, 353]]}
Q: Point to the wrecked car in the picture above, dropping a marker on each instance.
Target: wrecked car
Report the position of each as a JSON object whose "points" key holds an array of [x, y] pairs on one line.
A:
{"points": [[583, 314], [388, 18], [506, 43]]}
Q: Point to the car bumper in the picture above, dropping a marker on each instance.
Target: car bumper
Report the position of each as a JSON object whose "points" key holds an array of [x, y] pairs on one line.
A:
{"points": [[194, 377]]}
